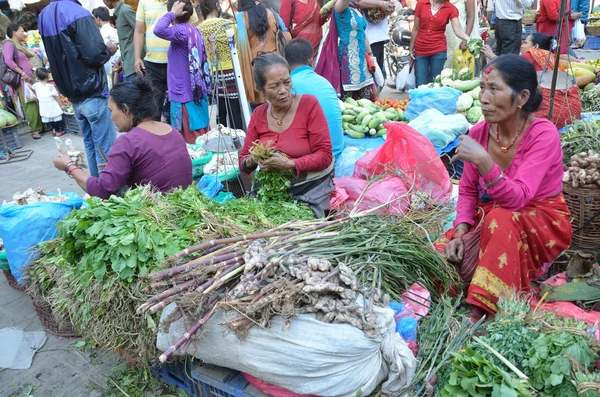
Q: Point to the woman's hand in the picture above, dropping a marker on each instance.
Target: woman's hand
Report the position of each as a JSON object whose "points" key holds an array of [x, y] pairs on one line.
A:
{"points": [[488, 52], [455, 251], [463, 45], [61, 161], [387, 6], [26, 77], [575, 15], [178, 9], [470, 150], [276, 162]]}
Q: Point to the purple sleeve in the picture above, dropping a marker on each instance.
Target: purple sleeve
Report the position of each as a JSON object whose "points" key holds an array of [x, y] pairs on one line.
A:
{"points": [[117, 171], [164, 30], [542, 153], [8, 50]]}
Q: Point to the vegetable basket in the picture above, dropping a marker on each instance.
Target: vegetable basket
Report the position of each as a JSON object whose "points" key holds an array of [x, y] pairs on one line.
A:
{"points": [[592, 30], [584, 204], [529, 19], [46, 316], [12, 281]]}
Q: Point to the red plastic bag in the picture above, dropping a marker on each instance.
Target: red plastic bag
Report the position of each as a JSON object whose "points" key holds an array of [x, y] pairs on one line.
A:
{"points": [[390, 189], [270, 389], [360, 168], [410, 152]]}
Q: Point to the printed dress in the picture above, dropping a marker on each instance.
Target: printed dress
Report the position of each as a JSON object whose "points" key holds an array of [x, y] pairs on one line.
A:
{"points": [[351, 25]]}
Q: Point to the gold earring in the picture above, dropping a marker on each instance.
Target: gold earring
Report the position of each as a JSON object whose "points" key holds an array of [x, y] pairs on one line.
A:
{"points": [[519, 106]]}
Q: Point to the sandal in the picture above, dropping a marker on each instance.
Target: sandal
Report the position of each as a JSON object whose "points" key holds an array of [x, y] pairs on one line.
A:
{"points": [[35, 135], [59, 133]]}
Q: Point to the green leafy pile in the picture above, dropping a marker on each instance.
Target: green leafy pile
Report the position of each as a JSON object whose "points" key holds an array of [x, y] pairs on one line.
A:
{"points": [[273, 185], [548, 362], [473, 375], [129, 380]]}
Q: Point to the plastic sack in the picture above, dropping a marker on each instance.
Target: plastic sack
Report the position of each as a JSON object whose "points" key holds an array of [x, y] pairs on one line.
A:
{"points": [[224, 197], [440, 129], [28, 94], [270, 389], [339, 196], [463, 59], [579, 33], [24, 226], [389, 190], [303, 354], [210, 185], [443, 99], [360, 168], [344, 165], [378, 76], [410, 152], [405, 80]]}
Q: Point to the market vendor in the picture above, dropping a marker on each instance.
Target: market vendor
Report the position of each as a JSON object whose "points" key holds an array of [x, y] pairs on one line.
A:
{"points": [[149, 153], [513, 171], [297, 128]]}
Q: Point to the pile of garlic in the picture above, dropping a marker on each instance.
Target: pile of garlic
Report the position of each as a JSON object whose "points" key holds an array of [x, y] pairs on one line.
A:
{"points": [[584, 169]]}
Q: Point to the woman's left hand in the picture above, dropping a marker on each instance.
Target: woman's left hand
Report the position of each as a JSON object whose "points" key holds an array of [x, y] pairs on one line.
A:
{"points": [[276, 162], [463, 45], [177, 9], [61, 161], [469, 150]]}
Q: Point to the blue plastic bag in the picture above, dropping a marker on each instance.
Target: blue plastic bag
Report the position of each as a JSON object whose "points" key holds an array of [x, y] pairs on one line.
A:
{"points": [[407, 328], [440, 129], [210, 185], [443, 99], [224, 197], [24, 226], [344, 165]]}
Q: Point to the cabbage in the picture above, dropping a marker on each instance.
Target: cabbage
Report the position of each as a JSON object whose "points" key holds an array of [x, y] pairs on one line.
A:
{"points": [[449, 74], [474, 114], [464, 102], [476, 103], [447, 82], [465, 74], [475, 93]]}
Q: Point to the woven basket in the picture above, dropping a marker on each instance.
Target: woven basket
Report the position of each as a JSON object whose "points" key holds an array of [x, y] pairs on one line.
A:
{"points": [[46, 316], [584, 204], [12, 281], [529, 19], [592, 30]]}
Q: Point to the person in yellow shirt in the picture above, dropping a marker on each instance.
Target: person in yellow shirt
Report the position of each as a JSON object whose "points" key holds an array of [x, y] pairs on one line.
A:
{"points": [[154, 65], [213, 30]]}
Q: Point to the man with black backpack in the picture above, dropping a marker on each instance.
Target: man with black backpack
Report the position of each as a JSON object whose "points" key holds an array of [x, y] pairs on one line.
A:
{"points": [[77, 54]]}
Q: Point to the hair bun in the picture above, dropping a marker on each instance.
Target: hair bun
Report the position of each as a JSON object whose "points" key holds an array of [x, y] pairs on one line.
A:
{"points": [[144, 84], [534, 101]]}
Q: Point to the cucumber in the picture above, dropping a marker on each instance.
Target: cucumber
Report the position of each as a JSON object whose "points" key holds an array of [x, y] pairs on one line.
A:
{"points": [[350, 112], [391, 114], [465, 86], [351, 101], [381, 132], [342, 105], [348, 118], [381, 116], [358, 128], [345, 125], [361, 116], [354, 134], [365, 103], [359, 109], [3, 122], [365, 122], [374, 123], [400, 115]]}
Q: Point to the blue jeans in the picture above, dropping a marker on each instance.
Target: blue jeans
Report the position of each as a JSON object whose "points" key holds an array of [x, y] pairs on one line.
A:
{"points": [[98, 130], [429, 67]]}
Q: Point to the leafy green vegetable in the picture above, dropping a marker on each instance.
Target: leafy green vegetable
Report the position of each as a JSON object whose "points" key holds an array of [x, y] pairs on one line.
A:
{"points": [[475, 46], [273, 185], [465, 74]]}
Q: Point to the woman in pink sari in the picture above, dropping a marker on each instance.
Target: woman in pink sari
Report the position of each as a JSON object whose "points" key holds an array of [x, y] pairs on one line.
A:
{"points": [[302, 17]]}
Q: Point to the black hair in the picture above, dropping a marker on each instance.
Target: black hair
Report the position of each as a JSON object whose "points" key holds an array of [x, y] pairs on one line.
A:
{"points": [[101, 13], [262, 63], [112, 20], [520, 75], [258, 18], [226, 15], [298, 52], [542, 40], [207, 7], [41, 73], [189, 10], [135, 97], [11, 29]]}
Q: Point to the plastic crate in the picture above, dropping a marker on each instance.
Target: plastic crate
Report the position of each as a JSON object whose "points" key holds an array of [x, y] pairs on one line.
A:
{"points": [[177, 374], [214, 381], [592, 43], [11, 138], [71, 124]]}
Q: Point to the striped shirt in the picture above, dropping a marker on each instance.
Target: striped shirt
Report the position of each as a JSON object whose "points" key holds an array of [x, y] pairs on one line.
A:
{"points": [[511, 9], [149, 12]]}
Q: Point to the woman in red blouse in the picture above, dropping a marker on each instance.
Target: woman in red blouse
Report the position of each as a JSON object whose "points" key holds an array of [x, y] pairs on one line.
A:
{"points": [[303, 19], [548, 18], [296, 127], [428, 41]]}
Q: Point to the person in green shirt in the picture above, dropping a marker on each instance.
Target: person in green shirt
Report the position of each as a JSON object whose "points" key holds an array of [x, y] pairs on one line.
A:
{"points": [[125, 27]]}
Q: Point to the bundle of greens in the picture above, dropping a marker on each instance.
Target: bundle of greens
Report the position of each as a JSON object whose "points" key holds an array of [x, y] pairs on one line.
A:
{"points": [[273, 185], [582, 136]]}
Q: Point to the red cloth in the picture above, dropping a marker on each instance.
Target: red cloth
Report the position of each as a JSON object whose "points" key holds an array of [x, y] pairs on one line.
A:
{"points": [[522, 242], [535, 174], [567, 106], [548, 17], [537, 66], [306, 21], [431, 38], [306, 141]]}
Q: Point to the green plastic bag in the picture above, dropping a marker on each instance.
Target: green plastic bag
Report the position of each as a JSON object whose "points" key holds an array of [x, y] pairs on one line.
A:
{"points": [[229, 175]]}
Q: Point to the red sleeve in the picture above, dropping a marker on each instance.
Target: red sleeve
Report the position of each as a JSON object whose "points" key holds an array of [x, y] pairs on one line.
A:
{"points": [[285, 12], [318, 139], [418, 10], [8, 50], [251, 137], [453, 12], [552, 7]]}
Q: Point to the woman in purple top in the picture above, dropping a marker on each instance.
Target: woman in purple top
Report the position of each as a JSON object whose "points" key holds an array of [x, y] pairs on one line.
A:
{"points": [[150, 153], [188, 70]]}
